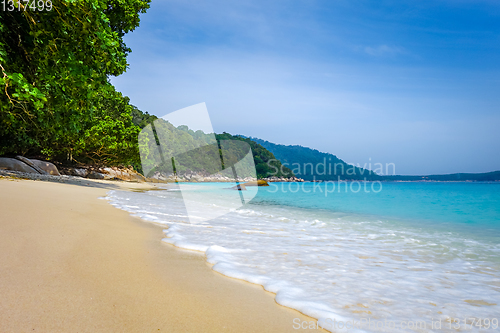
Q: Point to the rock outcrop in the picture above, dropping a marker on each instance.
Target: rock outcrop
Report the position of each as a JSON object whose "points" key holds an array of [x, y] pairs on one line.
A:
{"points": [[215, 178], [259, 182], [105, 173], [23, 164], [26, 165], [48, 167], [194, 177], [15, 165], [281, 179]]}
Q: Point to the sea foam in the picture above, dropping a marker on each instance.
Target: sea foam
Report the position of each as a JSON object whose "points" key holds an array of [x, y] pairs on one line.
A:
{"points": [[333, 266]]}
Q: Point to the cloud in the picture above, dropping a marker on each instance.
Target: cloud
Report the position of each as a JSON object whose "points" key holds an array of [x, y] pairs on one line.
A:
{"points": [[383, 50], [327, 76]]}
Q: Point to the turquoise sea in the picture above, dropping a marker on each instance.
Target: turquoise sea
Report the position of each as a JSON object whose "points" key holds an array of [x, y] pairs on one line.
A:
{"points": [[392, 253], [469, 208]]}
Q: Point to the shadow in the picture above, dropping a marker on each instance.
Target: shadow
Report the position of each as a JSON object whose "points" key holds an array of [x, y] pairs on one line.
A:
{"points": [[78, 181]]}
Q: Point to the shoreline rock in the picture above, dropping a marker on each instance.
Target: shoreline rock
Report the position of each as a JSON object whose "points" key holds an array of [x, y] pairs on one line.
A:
{"points": [[197, 177], [23, 164], [281, 179], [259, 182], [34, 166]]}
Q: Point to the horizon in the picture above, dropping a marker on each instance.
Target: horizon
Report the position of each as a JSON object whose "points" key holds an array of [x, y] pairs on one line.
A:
{"points": [[364, 166], [414, 84]]}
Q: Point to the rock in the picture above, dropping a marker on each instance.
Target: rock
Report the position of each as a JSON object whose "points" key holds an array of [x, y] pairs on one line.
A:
{"points": [[23, 164], [95, 175], [110, 173], [124, 174], [135, 176], [31, 164], [16, 165], [79, 172], [259, 182], [48, 167]]}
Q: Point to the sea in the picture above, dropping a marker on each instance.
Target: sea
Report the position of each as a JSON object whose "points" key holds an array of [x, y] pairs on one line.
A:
{"points": [[373, 257]]}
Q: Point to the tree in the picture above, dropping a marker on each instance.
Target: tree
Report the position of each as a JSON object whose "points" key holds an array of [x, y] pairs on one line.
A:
{"points": [[55, 96]]}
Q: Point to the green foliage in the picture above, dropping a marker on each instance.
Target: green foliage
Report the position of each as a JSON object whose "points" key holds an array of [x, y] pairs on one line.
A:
{"points": [[193, 151], [266, 164], [142, 119], [201, 152], [112, 138], [55, 95]]}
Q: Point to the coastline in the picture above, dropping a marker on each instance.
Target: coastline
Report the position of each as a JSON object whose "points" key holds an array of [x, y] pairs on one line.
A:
{"points": [[72, 262]]}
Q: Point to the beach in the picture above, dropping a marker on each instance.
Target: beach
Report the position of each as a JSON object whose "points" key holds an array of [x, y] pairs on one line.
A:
{"points": [[72, 262]]}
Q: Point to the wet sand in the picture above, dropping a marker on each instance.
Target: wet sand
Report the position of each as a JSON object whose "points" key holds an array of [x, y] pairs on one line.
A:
{"points": [[71, 262]]}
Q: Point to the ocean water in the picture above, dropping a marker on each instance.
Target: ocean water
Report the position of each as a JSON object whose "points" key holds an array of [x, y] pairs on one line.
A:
{"points": [[421, 257]]}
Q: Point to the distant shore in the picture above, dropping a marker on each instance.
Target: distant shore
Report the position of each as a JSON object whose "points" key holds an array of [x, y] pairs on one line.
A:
{"points": [[71, 262]]}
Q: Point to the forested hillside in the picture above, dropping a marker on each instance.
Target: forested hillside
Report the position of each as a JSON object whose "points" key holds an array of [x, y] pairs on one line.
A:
{"points": [[311, 164], [266, 163], [167, 149]]}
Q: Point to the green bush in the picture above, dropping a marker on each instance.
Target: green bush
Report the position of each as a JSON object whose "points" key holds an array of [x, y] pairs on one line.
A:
{"points": [[55, 95]]}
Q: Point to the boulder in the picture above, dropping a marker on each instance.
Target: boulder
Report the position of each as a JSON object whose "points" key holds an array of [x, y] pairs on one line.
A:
{"points": [[259, 182], [95, 175], [48, 167], [79, 172], [23, 164], [125, 174], [31, 164], [135, 176], [15, 165]]}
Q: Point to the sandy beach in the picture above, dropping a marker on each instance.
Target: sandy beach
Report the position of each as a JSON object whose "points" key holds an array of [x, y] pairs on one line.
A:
{"points": [[72, 262]]}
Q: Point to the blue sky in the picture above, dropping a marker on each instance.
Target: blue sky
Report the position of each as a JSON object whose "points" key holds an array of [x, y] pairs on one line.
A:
{"points": [[414, 83]]}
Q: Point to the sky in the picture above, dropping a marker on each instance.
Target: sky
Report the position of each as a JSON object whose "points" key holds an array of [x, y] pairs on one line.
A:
{"points": [[414, 83]]}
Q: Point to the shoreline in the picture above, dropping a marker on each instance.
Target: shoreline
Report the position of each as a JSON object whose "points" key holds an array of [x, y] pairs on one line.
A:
{"points": [[106, 182], [72, 262]]}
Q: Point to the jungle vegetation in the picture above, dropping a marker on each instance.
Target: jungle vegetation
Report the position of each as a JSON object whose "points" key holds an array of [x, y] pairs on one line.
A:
{"points": [[168, 149], [56, 100]]}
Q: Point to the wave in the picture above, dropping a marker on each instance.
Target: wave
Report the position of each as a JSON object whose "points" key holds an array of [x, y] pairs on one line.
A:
{"points": [[335, 266]]}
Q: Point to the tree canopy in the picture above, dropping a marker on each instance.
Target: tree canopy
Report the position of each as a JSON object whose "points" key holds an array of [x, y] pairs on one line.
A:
{"points": [[55, 96], [311, 164], [203, 153], [56, 99]]}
